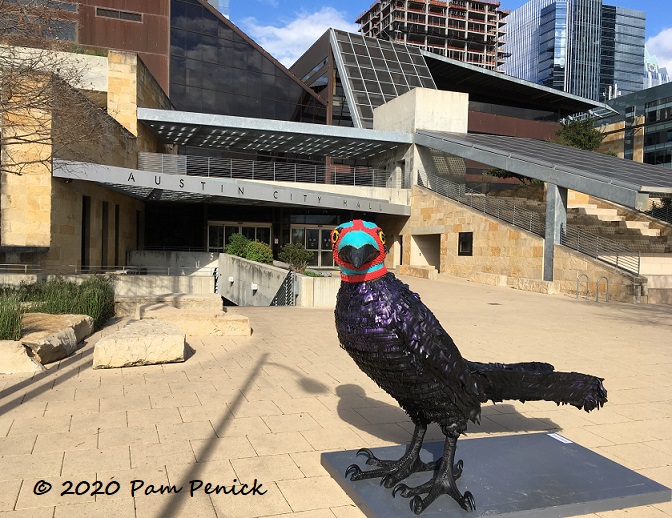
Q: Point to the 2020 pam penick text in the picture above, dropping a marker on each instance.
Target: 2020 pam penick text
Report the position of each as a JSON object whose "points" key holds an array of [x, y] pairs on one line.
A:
{"points": [[138, 487]]}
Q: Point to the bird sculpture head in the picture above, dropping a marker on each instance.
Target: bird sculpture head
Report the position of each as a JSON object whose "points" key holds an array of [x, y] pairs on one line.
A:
{"points": [[359, 250]]}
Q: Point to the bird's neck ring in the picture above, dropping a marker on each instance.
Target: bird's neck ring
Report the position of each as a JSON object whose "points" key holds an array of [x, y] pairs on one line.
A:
{"points": [[376, 272]]}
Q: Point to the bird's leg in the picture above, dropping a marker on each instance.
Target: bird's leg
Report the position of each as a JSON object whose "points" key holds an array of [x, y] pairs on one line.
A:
{"points": [[394, 471], [442, 484]]}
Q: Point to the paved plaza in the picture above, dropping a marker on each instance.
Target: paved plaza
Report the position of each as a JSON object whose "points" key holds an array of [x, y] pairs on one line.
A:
{"points": [[259, 410]]}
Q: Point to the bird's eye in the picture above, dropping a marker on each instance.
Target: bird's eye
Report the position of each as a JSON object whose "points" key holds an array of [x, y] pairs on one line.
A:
{"points": [[381, 235], [334, 236]]}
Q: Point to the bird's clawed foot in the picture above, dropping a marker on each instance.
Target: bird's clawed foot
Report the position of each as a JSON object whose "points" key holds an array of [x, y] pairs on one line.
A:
{"points": [[466, 501], [439, 485], [372, 460], [391, 471], [408, 492]]}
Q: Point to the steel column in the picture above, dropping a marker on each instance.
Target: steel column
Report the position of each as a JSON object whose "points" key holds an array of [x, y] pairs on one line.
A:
{"points": [[556, 219]]}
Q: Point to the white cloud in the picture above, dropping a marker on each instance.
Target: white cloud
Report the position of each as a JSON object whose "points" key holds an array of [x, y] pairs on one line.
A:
{"points": [[660, 46], [288, 42]]}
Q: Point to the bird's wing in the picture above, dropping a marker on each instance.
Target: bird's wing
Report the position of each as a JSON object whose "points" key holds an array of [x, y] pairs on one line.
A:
{"points": [[434, 349]]}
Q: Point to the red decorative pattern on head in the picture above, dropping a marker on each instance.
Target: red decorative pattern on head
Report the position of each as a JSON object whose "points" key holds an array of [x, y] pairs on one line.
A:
{"points": [[368, 276]]}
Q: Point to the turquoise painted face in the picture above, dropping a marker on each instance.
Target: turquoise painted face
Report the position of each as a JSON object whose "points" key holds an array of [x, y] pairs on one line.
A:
{"points": [[359, 247]]}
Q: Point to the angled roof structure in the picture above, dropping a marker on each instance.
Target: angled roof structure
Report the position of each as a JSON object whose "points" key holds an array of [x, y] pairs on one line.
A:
{"points": [[621, 181], [615, 179], [496, 87], [371, 72], [224, 132], [375, 71]]}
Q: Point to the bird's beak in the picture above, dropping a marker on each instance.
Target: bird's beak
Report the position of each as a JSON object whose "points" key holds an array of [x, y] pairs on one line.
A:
{"points": [[358, 256]]}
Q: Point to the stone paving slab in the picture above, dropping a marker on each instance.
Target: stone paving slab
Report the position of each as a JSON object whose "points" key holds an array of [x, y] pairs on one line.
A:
{"points": [[231, 411]]}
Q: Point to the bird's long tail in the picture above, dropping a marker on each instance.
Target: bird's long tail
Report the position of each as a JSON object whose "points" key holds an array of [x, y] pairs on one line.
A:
{"points": [[535, 381]]}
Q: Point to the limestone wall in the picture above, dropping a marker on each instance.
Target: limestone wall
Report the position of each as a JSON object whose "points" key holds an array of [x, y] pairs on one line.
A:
{"points": [[66, 225], [25, 182], [131, 85], [623, 287], [497, 247], [614, 140], [502, 254], [122, 89]]}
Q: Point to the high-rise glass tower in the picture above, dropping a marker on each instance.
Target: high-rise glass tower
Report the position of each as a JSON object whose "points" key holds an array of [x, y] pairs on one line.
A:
{"points": [[580, 46], [221, 5]]}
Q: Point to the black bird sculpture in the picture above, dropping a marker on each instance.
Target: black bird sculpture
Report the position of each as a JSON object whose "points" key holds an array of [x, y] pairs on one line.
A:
{"points": [[397, 341]]}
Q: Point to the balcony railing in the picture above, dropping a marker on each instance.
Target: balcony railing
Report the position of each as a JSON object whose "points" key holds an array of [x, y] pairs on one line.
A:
{"points": [[335, 174]]}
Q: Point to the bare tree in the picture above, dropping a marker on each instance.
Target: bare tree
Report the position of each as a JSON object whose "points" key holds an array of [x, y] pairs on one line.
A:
{"points": [[42, 108]]}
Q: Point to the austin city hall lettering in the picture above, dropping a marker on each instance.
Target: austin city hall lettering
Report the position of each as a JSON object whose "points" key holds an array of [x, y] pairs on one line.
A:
{"points": [[238, 191]]}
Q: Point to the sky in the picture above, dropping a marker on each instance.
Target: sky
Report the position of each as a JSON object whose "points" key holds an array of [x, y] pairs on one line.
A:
{"points": [[287, 28]]}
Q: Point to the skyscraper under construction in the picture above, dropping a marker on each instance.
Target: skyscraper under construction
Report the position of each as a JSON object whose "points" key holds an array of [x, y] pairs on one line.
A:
{"points": [[471, 31]]}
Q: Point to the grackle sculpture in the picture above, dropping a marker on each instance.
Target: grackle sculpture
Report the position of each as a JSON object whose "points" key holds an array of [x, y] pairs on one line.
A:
{"points": [[397, 341]]}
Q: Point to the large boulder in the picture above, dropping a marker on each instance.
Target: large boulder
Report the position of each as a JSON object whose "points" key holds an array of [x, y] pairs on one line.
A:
{"points": [[140, 342], [54, 337], [17, 359]]}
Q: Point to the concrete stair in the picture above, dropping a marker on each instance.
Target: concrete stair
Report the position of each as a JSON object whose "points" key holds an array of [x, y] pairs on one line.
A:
{"points": [[601, 214], [635, 234], [604, 222]]}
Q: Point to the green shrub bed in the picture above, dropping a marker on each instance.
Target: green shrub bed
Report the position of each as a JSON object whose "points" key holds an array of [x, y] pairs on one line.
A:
{"points": [[93, 297]]}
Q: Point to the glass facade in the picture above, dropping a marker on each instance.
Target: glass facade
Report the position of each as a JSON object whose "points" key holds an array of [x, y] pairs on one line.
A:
{"points": [[649, 112], [601, 46], [658, 132], [553, 45], [355, 74], [219, 233], [319, 78], [654, 75], [214, 68], [372, 72], [629, 34], [522, 40]]}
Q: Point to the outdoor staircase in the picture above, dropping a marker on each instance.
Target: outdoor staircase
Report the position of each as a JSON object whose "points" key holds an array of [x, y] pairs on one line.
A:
{"points": [[615, 224], [619, 225]]}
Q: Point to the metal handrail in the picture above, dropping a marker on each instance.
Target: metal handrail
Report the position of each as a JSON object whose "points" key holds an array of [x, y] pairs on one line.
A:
{"points": [[663, 213], [500, 208], [335, 174], [118, 270], [601, 248], [19, 268]]}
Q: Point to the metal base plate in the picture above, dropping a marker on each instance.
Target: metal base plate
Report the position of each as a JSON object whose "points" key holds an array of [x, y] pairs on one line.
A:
{"points": [[531, 475]]}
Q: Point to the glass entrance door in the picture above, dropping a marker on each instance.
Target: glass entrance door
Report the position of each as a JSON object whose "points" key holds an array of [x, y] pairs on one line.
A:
{"points": [[219, 233], [317, 239]]}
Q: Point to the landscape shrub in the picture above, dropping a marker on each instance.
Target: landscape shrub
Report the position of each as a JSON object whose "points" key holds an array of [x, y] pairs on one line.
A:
{"points": [[93, 297], [10, 315], [259, 252], [237, 245], [296, 256]]}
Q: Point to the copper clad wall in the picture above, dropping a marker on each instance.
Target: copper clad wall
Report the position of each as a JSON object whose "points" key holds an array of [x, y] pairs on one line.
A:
{"points": [[150, 38], [480, 122]]}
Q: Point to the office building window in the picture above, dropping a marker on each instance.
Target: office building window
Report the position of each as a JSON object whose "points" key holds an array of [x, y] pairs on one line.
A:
{"points": [[121, 15], [465, 243]]}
